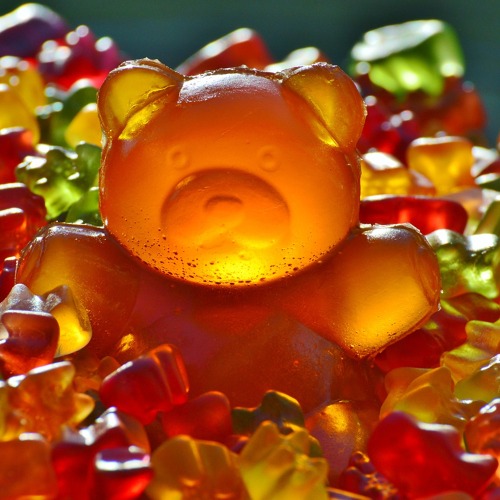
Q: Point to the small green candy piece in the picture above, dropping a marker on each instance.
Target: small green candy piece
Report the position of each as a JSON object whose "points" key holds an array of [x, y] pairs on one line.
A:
{"points": [[277, 407], [409, 57], [467, 263], [61, 176], [86, 209]]}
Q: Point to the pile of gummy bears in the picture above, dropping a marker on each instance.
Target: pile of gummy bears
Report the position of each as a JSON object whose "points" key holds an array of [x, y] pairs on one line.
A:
{"points": [[243, 278]]}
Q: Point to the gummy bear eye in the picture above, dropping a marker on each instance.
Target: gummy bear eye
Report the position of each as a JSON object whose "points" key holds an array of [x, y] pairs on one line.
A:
{"points": [[268, 159], [177, 158]]}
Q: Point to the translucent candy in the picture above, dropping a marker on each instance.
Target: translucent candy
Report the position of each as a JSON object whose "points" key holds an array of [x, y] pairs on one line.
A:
{"points": [[427, 214], [72, 331], [22, 214], [423, 459], [383, 174], [428, 395], [483, 384], [416, 55], [85, 127], [152, 383], [481, 345], [467, 263], [445, 161], [252, 219], [61, 176], [80, 457], [27, 468], [23, 78], [277, 466], [206, 417], [16, 113], [42, 401], [186, 468], [482, 432]]}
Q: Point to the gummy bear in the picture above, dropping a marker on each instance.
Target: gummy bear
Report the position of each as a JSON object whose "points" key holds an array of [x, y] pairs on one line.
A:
{"points": [[61, 176], [426, 213], [211, 241], [436, 462], [206, 417], [187, 468], [427, 395], [147, 385], [22, 214], [482, 432], [42, 401], [277, 466]]}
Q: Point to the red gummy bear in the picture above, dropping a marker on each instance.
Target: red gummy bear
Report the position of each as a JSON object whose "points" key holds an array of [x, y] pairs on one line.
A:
{"points": [[426, 459], [147, 385]]}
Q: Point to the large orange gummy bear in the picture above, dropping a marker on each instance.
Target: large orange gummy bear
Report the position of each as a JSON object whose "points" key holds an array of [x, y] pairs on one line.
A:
{"points": [[230, 202]]}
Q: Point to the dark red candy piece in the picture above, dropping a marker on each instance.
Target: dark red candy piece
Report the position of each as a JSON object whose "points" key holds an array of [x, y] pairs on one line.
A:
{"points": [[120, 474], [74, 456], [241, 47], [423, 459], [361, 477], [205, 417], [22, 214], [7, 276], [31, 342], [24, 30], [15, 144], [79, 56], [426, 213], [423, 348], [152, 383]]}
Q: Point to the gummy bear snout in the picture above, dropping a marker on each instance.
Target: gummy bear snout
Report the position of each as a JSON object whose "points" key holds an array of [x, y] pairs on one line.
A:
{"points": [[226, 209], [230, 224]]}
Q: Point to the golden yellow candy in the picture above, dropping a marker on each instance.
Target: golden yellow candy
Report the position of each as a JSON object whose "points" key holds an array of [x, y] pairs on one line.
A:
{"points": [[85, 127], [382, 173], [446, 161], [185, 468], [23, 79], [15, 112]]}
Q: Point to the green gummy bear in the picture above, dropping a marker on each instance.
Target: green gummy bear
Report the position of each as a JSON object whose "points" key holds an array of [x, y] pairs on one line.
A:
{"points": [[277, 407], [61, 176], [409, 57], [467, 263]]}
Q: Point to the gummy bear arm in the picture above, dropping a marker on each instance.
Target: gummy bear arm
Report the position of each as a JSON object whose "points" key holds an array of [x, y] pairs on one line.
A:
{"points": [[102, 277], [382, 283]]}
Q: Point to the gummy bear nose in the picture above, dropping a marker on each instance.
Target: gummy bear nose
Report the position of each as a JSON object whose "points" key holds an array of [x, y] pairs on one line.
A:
{"points": [[225, 210]]}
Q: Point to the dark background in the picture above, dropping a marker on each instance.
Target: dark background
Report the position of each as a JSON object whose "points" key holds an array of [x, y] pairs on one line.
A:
{"points": [[172, 30]]}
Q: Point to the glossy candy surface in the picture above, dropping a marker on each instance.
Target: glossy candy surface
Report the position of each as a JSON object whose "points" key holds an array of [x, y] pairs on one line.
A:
{"points": [[229, 212], [437, 462], [234, 326]]}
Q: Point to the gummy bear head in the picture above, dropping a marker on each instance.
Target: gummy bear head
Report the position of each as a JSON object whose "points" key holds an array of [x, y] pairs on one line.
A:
{"points": [[230, 177]]}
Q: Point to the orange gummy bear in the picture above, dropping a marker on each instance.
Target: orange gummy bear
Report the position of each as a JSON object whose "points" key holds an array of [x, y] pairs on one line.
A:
{"points": [[230, 201]]}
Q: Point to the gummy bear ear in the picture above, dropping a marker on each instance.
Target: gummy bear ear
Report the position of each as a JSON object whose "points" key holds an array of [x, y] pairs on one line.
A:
{"points": [[131, 87], [333, 97]]}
